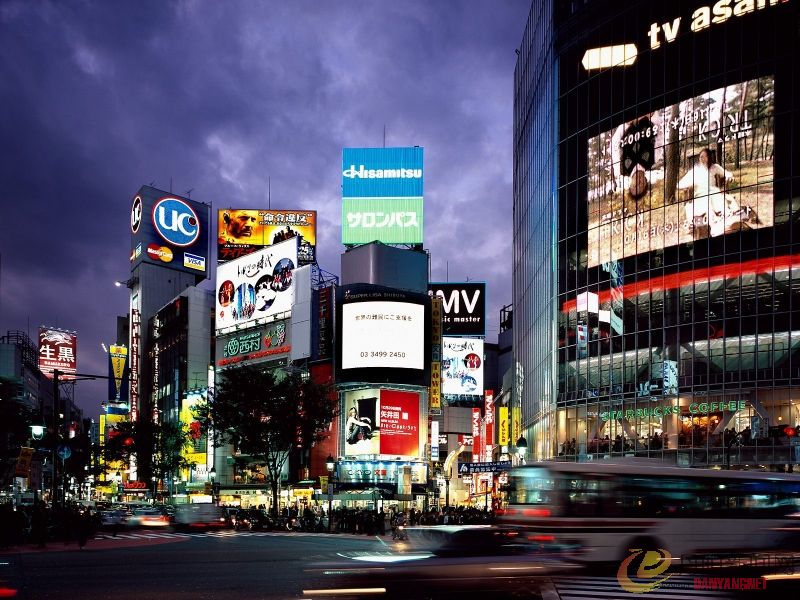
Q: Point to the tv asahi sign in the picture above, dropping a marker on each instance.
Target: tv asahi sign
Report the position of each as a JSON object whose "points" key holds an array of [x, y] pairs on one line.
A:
{"points": [[706, 16], [464, 307]]}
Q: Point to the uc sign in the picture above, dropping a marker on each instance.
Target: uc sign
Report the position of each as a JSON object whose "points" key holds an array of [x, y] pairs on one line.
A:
{"points": [[176, 221]]}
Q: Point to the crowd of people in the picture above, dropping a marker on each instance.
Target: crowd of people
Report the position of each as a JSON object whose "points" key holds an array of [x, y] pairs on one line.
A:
{"points": [[39, 524]]}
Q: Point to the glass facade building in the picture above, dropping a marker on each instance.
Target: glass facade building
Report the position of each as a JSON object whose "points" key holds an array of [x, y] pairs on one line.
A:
{"points": [[657, 231]]}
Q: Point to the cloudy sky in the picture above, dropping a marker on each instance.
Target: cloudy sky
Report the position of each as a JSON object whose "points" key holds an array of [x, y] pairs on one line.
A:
{"points": [[100, 97]]}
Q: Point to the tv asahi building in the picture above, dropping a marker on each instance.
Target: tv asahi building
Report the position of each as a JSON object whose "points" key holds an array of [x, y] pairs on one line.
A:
{"points": [[656, 252]]}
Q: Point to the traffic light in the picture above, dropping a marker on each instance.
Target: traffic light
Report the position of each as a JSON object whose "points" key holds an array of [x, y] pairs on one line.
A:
{"points": [[789, 431]]}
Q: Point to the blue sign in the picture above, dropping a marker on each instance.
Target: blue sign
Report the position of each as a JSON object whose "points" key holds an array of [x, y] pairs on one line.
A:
{"points": [[169, 231], [467, 468], [382, 172], [64, 452], [176, 222]]}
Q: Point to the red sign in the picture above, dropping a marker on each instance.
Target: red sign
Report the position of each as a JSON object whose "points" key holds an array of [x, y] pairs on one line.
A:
{"points": [[489, 421], [399, 423], [476, 434], [57, 351]]}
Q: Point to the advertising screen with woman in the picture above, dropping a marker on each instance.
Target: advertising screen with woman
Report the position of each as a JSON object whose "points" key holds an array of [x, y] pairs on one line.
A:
{"points": [[697, 169]]}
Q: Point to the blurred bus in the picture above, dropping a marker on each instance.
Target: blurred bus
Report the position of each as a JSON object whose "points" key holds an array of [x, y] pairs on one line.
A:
{"points": [[199, 516], [604, 509]]}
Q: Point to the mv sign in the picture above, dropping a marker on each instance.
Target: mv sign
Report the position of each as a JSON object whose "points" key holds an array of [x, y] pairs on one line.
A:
{"points": [[464, 307]]}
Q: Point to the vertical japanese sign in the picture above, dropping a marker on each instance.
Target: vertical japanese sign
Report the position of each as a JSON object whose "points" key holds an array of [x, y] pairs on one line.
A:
{"points": [[436, 356], [434, 439], [136, 339], [488, 420], [325, 323], [58, 351], [476, 434], [117, 374], [516, 423], [502, 426]]}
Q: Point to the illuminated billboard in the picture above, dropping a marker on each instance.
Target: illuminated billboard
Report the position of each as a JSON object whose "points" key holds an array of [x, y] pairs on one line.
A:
{"points": [[463, 305], [697, 169], [195, 451], [382, 190], [382, 172], [387, 220], [58, 350], [462, 371], [383, 335], [257, 285], [243, 231], [169, 231], [117, 374], [268, 342], [381, 421]]}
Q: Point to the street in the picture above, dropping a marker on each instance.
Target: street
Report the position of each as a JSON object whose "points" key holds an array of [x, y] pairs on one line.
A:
{"points": [[234, 565]]}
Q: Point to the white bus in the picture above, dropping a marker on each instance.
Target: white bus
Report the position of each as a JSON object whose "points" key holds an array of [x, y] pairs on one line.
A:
{"points": [[604, 509]]}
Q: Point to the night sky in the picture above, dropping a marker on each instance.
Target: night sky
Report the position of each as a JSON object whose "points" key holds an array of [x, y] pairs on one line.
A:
{"points": [[100, 97]]}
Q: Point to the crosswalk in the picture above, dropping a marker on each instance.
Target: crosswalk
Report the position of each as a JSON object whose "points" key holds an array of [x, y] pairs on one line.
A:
{"points": [[676, 586], [155, 535]]}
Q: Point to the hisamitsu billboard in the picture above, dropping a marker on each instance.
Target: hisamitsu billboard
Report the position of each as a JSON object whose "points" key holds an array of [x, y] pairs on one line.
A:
{"points": [[382, 172]]}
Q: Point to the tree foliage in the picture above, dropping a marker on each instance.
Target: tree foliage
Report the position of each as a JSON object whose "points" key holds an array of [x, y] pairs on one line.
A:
{"points": [[266, 416], [15, 421], [164, 442]]}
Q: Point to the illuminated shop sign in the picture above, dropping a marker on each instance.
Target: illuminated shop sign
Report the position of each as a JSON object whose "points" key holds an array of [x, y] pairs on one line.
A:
{"points": [[464, 306], [379, 471], [679, 174], [264, 342], [58, 351], [695, 408]]}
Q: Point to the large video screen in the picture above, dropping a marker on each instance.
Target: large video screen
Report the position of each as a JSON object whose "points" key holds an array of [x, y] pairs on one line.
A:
{"points": [[383, 334], [697, 169], [381, 421]]}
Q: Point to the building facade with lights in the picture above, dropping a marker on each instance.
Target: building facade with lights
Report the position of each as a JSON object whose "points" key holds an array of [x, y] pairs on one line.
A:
{"points": [[656, 253]]}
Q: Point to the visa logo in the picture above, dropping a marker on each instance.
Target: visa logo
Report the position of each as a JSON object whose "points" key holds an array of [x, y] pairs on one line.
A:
{"points": [[192, 261]]}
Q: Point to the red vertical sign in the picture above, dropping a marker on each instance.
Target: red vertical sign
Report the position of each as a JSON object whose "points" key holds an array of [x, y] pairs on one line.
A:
{"points": [[488, 420], [477, 446]]}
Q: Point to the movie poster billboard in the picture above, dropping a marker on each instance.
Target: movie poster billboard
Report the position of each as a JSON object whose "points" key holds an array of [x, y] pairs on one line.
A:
{"points": [[382, 421], [693, 170], [462, 371], [256, 286], [242, 231], [58, 350]]}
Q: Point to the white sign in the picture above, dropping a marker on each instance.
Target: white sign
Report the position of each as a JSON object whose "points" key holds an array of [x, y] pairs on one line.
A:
{"points": [[383, 334], [256, 285], [462, 366]]}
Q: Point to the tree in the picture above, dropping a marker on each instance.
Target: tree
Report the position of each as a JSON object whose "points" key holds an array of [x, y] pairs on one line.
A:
{"points": [[164, 442], [15, 421], [266, 416]]}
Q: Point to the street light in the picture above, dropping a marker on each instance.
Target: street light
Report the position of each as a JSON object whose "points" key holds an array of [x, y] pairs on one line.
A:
{"points": [[153, 479], [331, 465], [118, 480], [522, 447]]}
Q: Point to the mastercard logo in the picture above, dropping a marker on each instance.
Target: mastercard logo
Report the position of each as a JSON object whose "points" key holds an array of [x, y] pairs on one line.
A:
{"points": [[161, 253]]}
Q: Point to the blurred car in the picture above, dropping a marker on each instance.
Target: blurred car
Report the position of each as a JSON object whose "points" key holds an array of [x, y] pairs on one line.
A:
{"points": [[111, 519], [148, 517], [444, 562], [254, 519]]}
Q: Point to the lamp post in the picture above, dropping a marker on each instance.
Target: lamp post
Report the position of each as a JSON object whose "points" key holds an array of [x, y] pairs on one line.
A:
{"points": [[331, 465], [153, 479], [118, 480], [213, 474], [522, 447]]}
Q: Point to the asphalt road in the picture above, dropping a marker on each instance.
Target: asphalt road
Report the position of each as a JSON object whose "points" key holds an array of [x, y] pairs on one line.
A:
{"points": [[239, 565]]}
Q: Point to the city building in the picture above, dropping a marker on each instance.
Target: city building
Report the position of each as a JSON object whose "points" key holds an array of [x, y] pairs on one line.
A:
{"points": [[655, 232]]}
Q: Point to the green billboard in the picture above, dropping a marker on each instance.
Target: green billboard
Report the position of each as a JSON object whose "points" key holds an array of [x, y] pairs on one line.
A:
{"points": [[387, 220]]}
